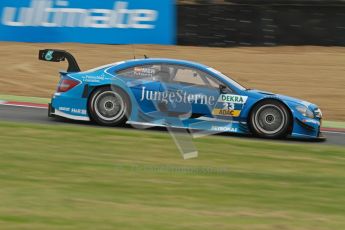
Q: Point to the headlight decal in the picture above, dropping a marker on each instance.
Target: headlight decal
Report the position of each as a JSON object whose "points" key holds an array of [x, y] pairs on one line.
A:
{"points": [[305, 111], [318, 113]]}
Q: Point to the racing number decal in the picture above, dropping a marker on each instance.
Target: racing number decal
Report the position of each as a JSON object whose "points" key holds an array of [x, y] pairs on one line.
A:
{"points": [[49, 55], [229, 105]]}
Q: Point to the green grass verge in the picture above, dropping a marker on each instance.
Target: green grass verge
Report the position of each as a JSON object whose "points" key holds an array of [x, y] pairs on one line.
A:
{"points": [[66, 177], [24, 99], [333, 124]]}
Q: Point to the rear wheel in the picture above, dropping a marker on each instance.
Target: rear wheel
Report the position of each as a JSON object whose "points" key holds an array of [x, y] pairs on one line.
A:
{"points": [[109, 107], [270, 119]]}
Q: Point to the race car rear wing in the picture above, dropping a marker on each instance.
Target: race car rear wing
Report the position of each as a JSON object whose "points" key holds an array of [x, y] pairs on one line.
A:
{"points": [[53, 55]]}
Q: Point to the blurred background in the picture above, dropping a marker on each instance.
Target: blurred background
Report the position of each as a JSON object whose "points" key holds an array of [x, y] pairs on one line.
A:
{"points": [[261, 22]]}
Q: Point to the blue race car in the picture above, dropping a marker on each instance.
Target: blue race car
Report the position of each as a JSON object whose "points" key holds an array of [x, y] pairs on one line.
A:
{"points": [[176, 93]]}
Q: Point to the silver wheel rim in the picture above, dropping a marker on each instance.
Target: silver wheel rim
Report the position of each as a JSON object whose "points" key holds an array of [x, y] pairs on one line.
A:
{"points": [[269, 119], [109, 106]]}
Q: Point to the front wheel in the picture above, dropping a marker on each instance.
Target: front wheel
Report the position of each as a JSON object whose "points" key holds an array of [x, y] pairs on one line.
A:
{"points": [[270, 119], [109, 107]]}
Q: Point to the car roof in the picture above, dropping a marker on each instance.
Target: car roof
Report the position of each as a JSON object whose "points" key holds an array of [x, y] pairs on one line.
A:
{"points": [[168, 60], [146, 61]]}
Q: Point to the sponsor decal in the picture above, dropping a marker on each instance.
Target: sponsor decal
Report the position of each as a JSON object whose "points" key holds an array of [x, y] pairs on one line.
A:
{"points": [[79, 111], [179, 96], [226, 112], [58, 14], [226, 105], [232, 98], [144, 72], [64, 109], [223, 129], [73, 110], [88, 78]]}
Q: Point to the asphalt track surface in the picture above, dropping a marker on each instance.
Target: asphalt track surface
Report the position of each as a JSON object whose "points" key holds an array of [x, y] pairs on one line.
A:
{"points": [[39, 115]]}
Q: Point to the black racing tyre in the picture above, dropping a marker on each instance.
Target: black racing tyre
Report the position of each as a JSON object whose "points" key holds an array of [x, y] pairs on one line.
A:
{"points": [[270, 119], [109, 107]]}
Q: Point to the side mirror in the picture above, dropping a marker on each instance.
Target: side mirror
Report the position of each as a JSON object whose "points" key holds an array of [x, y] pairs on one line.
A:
{"points": [[222, 89]]}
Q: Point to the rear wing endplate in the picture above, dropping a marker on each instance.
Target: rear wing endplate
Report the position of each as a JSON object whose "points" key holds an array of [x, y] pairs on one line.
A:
{"points": [[54, 55]]}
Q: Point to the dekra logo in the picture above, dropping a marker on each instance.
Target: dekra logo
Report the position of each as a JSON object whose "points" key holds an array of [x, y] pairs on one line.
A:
{"points": [[46, 13]]}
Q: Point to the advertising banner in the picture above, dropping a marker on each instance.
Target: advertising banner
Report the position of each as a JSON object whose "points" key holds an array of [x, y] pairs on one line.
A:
{"points": [[88, 21]]}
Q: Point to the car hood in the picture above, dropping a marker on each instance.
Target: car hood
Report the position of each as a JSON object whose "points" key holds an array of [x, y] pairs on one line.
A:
{"points": [[261, 93]]}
